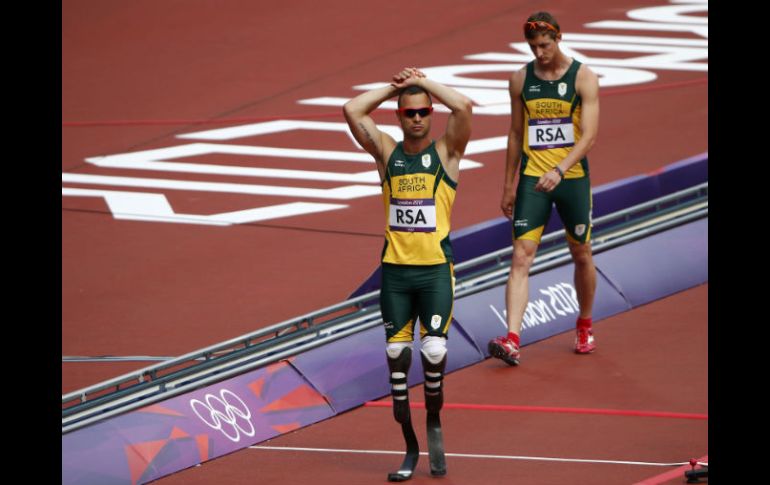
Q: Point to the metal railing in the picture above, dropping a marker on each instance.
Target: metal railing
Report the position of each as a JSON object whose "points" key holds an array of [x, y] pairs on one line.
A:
{"points": [[271, 344]]}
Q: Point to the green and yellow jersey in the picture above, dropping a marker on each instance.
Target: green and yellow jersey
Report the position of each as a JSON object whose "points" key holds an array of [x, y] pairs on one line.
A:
{"points": [[551, 123], [418, 197]]}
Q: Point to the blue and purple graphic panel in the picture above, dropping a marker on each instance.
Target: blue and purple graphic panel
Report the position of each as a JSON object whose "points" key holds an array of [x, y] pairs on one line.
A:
{"points": [[163, 438]]}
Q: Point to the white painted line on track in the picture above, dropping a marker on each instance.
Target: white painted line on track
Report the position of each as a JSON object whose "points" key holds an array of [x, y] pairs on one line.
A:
{"points": [[470, 455]]}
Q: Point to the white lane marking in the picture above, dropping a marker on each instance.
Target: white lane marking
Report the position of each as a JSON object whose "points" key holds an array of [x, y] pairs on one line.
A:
{"points": [[470, 455]]}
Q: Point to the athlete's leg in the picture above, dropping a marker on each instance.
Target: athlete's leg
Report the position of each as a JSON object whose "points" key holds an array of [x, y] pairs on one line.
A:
{"points": [[435, 304], [399, 361], [506, 347], [573, 201], [585, 287], [436, 300], [585, 276], [398, 315], [531, 213], [434, 357], [517, 287], [397, 302]]}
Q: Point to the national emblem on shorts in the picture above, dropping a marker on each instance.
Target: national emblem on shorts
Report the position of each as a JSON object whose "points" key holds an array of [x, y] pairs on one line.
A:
{"points": [[580, 229]]}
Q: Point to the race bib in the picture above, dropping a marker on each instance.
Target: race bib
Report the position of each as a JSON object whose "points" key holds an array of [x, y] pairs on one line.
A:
{"points": [[412, 215], [547, 133]]}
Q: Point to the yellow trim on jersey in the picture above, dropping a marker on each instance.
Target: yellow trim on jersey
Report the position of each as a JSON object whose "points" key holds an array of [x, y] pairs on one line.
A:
{"points": [[406, 334], [534, 235], [452, 310]]}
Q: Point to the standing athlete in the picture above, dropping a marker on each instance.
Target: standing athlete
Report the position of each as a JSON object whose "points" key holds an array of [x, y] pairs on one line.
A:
{"points": [[419, 179], [554, 123]]}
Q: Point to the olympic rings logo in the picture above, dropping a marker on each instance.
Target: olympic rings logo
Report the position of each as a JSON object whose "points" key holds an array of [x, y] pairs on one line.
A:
{"points": [[227, 413]]}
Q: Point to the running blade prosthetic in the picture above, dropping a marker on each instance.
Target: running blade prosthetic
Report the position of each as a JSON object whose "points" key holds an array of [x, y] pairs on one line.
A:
{"points": [[412, 454], [436, 445]]}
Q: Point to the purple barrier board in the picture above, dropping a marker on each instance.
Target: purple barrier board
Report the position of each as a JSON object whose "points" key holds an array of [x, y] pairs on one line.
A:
{"points": [[684, 174], [163, 438], [353, 370], [552, 308], [658, 266]]}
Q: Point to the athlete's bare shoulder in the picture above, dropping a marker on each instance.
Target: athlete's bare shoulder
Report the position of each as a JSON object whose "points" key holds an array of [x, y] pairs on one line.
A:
{"points": [[516, 81], [586, 80]]}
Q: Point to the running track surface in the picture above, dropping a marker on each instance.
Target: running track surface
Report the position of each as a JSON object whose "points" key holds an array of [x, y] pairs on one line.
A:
{"points": [[141, 288]]}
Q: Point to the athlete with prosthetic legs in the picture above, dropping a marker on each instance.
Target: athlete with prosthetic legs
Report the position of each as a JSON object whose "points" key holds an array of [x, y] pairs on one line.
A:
{"points": [[419, 178]]}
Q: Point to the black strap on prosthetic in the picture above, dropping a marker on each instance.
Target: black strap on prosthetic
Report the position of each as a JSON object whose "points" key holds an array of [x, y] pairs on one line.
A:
{"points": [[434, 374], [434, 401], [402, 415], [400, 396]]}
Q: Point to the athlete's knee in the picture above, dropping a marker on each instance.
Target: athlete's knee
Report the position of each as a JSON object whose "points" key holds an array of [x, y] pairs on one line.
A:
{"points": [[399, 361], [581, 254], [434, 357], [433, 348], [394, 349], [523, 253]]}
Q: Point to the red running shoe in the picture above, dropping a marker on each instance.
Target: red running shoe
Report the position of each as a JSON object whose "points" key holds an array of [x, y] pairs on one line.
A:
{"points": [[584, 341], [504, 349]]}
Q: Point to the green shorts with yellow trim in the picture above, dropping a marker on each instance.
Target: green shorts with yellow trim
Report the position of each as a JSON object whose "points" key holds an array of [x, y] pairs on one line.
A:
{"points": [[410, 292], [533, 209]]}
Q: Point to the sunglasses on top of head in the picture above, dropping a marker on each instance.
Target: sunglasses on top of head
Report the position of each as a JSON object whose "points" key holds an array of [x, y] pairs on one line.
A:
{"points": [[411, 112], [539, 24]]}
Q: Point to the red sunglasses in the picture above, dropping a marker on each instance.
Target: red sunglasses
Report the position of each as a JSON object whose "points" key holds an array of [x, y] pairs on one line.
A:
{"points": [[411, 112], [539, 24]]}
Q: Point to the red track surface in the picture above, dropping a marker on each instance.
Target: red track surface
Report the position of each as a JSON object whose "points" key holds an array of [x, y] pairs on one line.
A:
{"points": [[141, 288]]}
